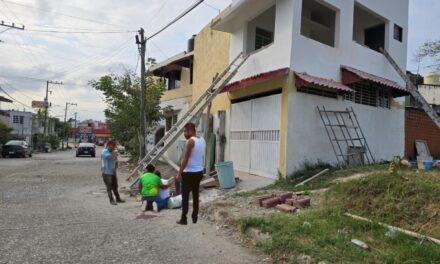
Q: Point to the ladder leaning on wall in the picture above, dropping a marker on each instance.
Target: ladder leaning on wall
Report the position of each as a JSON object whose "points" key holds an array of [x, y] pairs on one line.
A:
{"points": [[195, 110], [346, 137], [412, 89]]}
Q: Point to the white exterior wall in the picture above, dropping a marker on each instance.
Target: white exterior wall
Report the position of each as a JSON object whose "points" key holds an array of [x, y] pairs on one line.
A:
{"points": [[307, 138], [24, 129], [272, 57], [324, 61]]}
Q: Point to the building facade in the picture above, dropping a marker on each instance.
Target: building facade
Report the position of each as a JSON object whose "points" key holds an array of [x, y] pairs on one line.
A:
{"points": [[303, 54]]}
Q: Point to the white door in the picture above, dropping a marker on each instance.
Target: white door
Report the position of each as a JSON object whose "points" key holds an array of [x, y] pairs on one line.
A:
{"points": [[255, 135]]}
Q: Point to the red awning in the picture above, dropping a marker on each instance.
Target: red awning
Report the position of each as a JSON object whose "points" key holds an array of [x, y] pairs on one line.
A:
{"points": [[256, 79], [352, 75], [303, 79]]}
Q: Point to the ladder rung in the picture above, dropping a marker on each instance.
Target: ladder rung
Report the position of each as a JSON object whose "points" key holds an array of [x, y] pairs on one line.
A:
{"points": [[348, 139], [354, 127], [347, 155], [336, 112]]}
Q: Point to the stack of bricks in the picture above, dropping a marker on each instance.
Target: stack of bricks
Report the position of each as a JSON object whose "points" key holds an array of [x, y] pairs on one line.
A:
{"points": [[284, 201]]}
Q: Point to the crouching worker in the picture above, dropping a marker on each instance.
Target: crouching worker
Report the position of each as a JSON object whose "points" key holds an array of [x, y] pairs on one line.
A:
{"points": [[149, 186]]}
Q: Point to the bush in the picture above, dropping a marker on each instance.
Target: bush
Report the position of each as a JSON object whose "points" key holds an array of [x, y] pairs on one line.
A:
{"points": [[4, 133], [54, 141]]}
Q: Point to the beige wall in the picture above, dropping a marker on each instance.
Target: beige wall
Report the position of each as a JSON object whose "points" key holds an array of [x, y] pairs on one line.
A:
{"points": [[211, 56], [185, 89]]}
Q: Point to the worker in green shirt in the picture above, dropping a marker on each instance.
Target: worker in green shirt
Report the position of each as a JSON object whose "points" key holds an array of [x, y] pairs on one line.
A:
{"points": [[149, 186]]}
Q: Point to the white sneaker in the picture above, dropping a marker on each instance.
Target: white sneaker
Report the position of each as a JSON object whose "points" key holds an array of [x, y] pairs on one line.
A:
{"points": [[155, 207]]}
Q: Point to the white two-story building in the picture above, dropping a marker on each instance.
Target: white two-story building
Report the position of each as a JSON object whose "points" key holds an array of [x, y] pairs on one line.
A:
{"points": [[305, 54]]}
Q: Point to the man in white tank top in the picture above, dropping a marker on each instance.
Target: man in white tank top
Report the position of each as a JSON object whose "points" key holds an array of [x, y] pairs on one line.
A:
{"points": [[191, 171]]}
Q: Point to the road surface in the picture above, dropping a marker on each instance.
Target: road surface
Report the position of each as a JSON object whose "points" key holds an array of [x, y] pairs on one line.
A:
{"points": [[54, 209]]}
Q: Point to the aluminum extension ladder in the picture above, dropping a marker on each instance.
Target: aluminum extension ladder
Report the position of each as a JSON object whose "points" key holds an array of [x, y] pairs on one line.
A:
{"points": [[346, 136], [412, 89], [219, 82]]}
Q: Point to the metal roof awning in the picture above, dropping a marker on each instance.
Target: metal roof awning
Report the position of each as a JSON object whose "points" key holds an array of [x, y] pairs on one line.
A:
{"points": [[4, 99], [176, 62], [351, 75], [303, 79], [256, 79]]}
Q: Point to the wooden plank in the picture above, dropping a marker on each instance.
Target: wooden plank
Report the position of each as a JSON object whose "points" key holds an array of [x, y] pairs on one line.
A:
{"points": [[312, 178]]}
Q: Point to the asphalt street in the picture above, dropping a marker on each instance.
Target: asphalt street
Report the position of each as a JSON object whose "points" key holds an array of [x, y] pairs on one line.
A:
{"points": [[54, 209]]}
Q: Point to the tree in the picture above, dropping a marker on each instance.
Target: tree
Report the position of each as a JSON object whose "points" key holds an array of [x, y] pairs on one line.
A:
{"points": [[5, 133], [431, 49], [122, 93]]}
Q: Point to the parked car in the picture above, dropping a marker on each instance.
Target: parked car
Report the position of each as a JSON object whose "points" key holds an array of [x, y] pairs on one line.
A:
{"points": [[85, 149], [16, 148], [100, 143]]}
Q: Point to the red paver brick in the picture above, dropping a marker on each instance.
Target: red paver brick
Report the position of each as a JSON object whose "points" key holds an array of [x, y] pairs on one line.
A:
{"points": [[261, 198], [286, 208], [272, 202], [290, 201], [284, 195], [303, 202]]}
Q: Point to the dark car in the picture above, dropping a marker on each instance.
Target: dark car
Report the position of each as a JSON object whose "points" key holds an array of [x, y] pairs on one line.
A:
{"points": [[16, 148], [85, 149]]}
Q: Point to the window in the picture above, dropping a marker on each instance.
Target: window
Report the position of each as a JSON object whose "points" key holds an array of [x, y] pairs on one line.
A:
{"points": [[172, 80], [398, 33], [262, 38], [318, 22], [369, 93], [18, 119], [368, 28], [170, 122], [260, 31], [318, 91]]}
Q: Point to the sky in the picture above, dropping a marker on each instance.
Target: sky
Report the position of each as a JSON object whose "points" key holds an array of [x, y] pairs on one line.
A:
{"points": [[28, 58]]}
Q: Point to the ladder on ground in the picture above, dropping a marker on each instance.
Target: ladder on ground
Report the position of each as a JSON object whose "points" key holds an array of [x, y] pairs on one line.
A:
{"points": [[412, 89], [219, 82], [346, 137]]}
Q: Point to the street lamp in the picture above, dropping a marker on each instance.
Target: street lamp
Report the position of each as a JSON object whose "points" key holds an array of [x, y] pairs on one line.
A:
{"points": [[64, 131]]}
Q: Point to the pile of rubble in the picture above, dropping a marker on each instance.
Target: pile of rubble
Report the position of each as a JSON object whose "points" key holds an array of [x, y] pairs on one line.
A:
{"points": [[284, 201]]}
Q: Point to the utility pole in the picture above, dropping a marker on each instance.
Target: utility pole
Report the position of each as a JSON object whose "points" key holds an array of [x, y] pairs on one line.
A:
{"points": [[75, 125], [46, 104], [141, 41], [10, 26], [64, 131]]}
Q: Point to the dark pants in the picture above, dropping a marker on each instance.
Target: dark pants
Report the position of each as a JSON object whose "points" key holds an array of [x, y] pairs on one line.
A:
{"points": [[191, 183], [111, 182], [161, 203]]}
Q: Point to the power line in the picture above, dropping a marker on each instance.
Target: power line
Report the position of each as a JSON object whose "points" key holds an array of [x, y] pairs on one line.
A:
{"points": [[211, 6], [164, 3], [1, 88], [81, 32], [184, 13], [62, 14]]}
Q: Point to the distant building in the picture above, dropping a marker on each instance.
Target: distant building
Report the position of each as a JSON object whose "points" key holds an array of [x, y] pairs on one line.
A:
{"points": [[91, 131]]}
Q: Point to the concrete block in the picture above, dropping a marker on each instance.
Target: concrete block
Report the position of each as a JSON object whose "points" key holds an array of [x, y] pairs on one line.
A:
{"points": [[261, 198], [286, 208], [272, 202]]}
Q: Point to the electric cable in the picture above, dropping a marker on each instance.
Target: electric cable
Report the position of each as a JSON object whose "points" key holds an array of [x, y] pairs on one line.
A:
{"points": [[184, 13]]}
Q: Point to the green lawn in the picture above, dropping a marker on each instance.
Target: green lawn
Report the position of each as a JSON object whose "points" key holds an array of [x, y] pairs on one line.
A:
{"points": [[409, 199]]}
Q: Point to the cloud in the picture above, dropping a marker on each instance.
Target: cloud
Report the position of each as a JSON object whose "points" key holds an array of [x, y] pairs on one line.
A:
{"points": [[75, 59]]}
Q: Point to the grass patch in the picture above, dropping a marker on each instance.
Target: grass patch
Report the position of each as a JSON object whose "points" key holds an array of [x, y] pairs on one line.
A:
{"points": [[409, 199], [328, 237], [309, 170]]}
